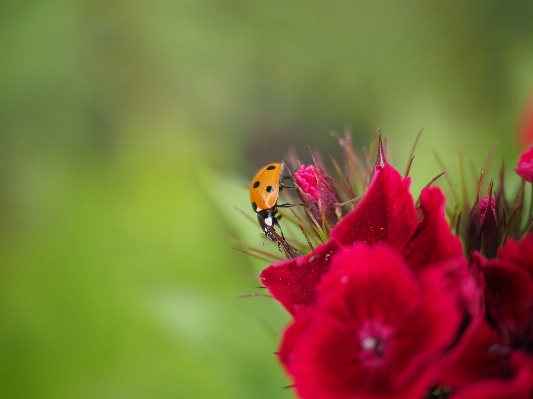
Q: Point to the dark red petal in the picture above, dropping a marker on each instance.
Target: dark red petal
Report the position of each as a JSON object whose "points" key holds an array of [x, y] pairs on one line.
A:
{"points": [[509, 301], [518, 385], [294, 282], [292, 335], [520, 253], [386, 214], [458, 277], [375, 329], [479, 354], [433, 240], [525, 166]]}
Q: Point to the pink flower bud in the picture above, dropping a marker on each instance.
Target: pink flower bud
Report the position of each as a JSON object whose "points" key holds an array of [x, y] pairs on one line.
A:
{"points": [[525, 166], [316, 193], [525, 125], [484, 227], [484, 204]]}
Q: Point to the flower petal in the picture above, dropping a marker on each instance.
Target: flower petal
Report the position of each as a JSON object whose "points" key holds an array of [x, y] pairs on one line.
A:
{"points": [[520, 253], [525, 166], [517, 385], [509, 300], [386, 214], [479, 354], [294, 282], [433, 240], [525, 124], [375, 329]]}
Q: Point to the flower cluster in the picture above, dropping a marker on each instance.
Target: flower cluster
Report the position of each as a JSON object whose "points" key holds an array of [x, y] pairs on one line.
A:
{"points": [[393, 304]]}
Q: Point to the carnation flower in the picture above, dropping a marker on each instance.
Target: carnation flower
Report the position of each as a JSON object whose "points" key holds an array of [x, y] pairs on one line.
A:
{"points": [[480, 354], [517, 383], [376, 329], [390, 301], [385, 215], [509, 292]]}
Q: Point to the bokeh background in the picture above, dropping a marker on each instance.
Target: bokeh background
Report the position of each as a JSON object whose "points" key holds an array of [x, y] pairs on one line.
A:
{"points": [[129, 133]]}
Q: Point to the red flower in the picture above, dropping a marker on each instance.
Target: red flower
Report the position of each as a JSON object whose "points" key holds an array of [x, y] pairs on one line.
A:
{"points": [[509, 292], [390, 307], [525, 166], [481, 365], [493, 358], [480, 354], [385, 215], [517, 384], [376, 329], [316, 193]]}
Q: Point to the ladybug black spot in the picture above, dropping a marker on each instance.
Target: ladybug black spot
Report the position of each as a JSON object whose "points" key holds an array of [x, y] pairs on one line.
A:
{"points": [[270, 189], [254, 206], [256, 184], [271, 167]]}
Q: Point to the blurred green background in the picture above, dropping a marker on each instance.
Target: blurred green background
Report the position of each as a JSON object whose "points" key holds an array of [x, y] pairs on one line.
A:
{"points": [[129, 133]]}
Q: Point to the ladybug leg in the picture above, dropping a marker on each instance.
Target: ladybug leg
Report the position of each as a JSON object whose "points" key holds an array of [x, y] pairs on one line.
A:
{"points": [[286, 205], [289, 205], [273, 215], [283, 185], [276, 223], [268, 221]]}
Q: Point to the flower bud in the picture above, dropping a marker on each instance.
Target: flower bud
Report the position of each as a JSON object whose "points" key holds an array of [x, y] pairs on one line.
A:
{"points": [[484, 227], [316, 193], [525, 166], [525, 125]]}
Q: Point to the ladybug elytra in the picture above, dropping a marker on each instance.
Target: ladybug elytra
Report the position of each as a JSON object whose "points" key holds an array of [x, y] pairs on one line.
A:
{"points": [[264, 193]]}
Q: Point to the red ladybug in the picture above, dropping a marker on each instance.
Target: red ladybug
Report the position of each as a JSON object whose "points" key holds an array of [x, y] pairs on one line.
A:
{"points": [[264, 193]]}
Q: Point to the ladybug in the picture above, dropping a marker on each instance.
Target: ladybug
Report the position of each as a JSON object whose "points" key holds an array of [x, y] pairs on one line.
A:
{"points": [[264, 193]]}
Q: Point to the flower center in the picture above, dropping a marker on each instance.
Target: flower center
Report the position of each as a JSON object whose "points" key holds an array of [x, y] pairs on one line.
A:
{"points": [[373, 340], [373, 344], [369, 343]]}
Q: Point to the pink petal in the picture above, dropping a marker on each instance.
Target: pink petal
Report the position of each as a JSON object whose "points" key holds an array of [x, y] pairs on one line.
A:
{"points": [[525, 125], [525, 166]]}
